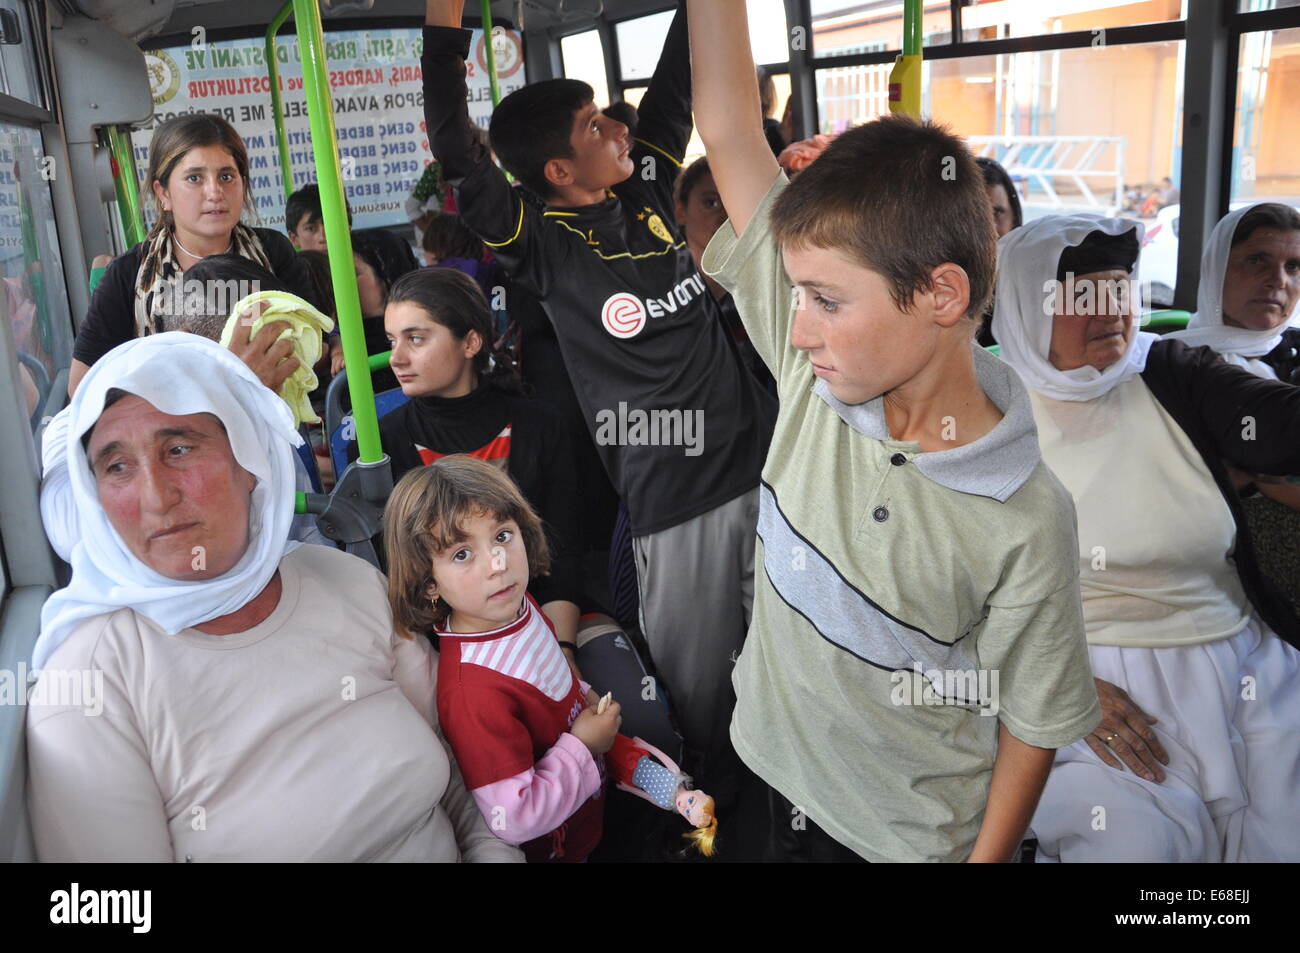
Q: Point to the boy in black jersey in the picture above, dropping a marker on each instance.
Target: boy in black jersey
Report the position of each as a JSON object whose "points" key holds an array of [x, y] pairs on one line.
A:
{"points": [[681, 427]]}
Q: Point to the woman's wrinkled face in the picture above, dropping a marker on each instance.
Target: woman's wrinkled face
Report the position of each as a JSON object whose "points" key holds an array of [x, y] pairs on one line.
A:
{"points": [[1002, 218], [1261, 284], [204, 193], [427, 358], [172, 488], [370, 289], [1093, 322]]}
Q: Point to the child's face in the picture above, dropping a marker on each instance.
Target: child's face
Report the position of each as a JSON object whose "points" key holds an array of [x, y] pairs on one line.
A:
{"points": [[427, 358], [370, 290], [855, 336], [601, 151], [701, 214], [309, 234], [483, 577]]}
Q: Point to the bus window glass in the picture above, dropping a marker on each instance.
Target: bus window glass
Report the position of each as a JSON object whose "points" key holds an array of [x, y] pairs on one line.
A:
{"points": [[694, 148], [994, 19], [378, 110], [845, 27], [1110, 145], [18, 69], [639, 43], [768, 37], [584, 59], [35, 299], [1265, 139], [1254, 6]]}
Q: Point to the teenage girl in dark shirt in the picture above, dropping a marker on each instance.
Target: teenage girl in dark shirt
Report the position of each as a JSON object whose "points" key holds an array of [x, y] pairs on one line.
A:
{"points": [[463, 401], [198, 172]]}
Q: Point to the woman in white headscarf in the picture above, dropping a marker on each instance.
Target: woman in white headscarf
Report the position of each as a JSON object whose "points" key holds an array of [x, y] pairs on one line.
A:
{"points": [[210, 690], [1248, 306], [1197, 757], [1249, 296]]}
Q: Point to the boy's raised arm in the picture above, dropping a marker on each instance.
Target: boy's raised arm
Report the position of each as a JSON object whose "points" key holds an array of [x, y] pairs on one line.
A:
{"points": [[488, 205], [727, 109], [664, 123]]}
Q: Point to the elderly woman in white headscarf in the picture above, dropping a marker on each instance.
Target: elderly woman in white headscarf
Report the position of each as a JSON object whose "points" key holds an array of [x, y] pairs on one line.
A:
{"points": [[244, 697], [1197, 757]]}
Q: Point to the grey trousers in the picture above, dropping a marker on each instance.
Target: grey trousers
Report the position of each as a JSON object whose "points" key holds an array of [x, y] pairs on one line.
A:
{"points": [[697, 592]]}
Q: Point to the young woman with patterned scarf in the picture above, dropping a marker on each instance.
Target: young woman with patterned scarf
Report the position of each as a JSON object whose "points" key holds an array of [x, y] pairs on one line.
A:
{"points": [[198, 175]]}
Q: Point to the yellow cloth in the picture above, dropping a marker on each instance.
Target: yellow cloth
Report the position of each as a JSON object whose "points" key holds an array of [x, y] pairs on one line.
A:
{"points": [[306, 328]]}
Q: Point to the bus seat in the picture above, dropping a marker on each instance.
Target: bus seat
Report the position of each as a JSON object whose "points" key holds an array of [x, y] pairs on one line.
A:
{"points": [[308, 455], [336, 422], [41, 378]]}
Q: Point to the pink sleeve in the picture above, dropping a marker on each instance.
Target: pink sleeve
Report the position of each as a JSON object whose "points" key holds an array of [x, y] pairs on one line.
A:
{"points": [[537, 801]]}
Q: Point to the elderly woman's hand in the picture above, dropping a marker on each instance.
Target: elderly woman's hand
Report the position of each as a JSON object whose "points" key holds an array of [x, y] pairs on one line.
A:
{"points": [[270, 359], [1125, 734]]}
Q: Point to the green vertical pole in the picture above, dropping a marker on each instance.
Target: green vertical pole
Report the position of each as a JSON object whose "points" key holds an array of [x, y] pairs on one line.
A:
{"points": [[126, 181], [911, 27], [324, 142], [491, 53], [277, 108]]}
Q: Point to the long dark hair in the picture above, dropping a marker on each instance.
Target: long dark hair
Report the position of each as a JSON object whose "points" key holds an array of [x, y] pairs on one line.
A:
{"points": [[453, 299], [994, 174]]}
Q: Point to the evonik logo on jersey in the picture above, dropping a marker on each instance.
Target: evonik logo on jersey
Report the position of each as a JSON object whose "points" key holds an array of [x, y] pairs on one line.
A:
{"points": [[624, 314]]}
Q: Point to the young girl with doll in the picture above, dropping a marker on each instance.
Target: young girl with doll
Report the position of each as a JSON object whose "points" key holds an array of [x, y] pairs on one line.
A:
{"points": [[532, 741]]}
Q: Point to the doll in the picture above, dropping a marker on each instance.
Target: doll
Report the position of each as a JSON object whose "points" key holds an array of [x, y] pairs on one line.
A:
{"points": [[634, 765]]}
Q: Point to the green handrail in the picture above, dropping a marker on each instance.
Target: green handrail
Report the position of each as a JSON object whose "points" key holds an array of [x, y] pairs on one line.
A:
{"points": [[491, 53], [126, 181], [911, 27], [1168, 318], [324, 142], [277, 108]]}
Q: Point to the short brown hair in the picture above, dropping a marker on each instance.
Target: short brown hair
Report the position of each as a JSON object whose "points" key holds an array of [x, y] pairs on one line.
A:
{"points": [[900, 197], [424, 516]]}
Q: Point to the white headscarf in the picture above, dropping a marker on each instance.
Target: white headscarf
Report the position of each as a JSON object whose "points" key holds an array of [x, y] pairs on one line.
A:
{"points": [[179, 374], [1206, 328], [1022, 316]]}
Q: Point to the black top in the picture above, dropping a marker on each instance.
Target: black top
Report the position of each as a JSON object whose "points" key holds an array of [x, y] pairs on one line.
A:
{"points": [[1251, 422], [540, 462], [630, 310], [772, 133], [1285, 358], [110, 320]]}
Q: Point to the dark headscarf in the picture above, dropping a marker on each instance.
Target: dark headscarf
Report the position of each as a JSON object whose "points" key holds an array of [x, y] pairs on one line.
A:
{"points": [[1099, 252]]}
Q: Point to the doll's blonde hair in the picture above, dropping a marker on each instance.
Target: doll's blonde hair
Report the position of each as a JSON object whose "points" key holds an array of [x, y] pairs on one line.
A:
{"points": [[702, 837]]}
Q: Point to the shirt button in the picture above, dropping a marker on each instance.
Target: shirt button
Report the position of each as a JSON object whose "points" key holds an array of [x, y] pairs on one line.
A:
{"points": [[898, 459], [880, 514]]}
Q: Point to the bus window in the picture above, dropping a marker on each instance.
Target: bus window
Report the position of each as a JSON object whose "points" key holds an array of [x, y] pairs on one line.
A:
{"points": [[584, 59], [17, 57], [35, 299]]}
